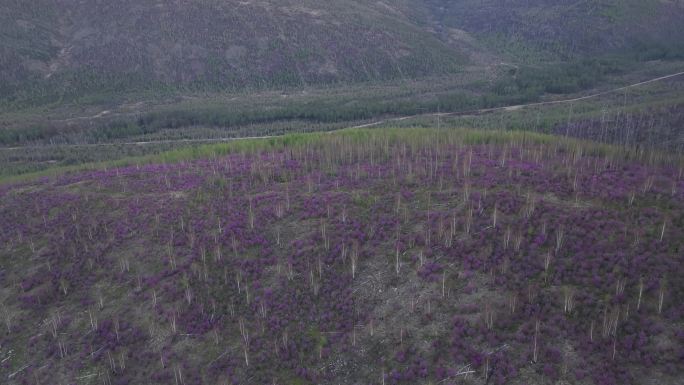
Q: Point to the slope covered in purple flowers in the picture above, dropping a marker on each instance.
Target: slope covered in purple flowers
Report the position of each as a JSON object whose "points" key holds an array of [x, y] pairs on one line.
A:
{"points": [[362, 257]]}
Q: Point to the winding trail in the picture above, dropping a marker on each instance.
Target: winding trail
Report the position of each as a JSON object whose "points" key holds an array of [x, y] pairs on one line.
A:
{"points": [[371, 124]]}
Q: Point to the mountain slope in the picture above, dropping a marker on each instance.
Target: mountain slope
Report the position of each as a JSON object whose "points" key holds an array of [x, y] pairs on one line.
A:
{"points": [[219, 44], [59, 49], [565, 29], [61, 59]]}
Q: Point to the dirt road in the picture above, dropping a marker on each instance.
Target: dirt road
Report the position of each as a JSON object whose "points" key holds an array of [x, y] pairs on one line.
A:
{"points": [[378, 122]]}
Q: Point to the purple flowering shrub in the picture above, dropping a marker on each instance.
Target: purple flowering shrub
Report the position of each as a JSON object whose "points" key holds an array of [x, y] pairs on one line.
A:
{"points": [[327, 263]]}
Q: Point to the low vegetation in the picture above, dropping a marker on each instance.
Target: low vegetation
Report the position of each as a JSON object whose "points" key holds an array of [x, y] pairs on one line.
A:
{"points": [[387, 256]]}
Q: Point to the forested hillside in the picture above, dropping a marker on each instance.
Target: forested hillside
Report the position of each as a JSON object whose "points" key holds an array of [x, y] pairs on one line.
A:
{"points": [[58, 50], [532, 30], [134, 44]]}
